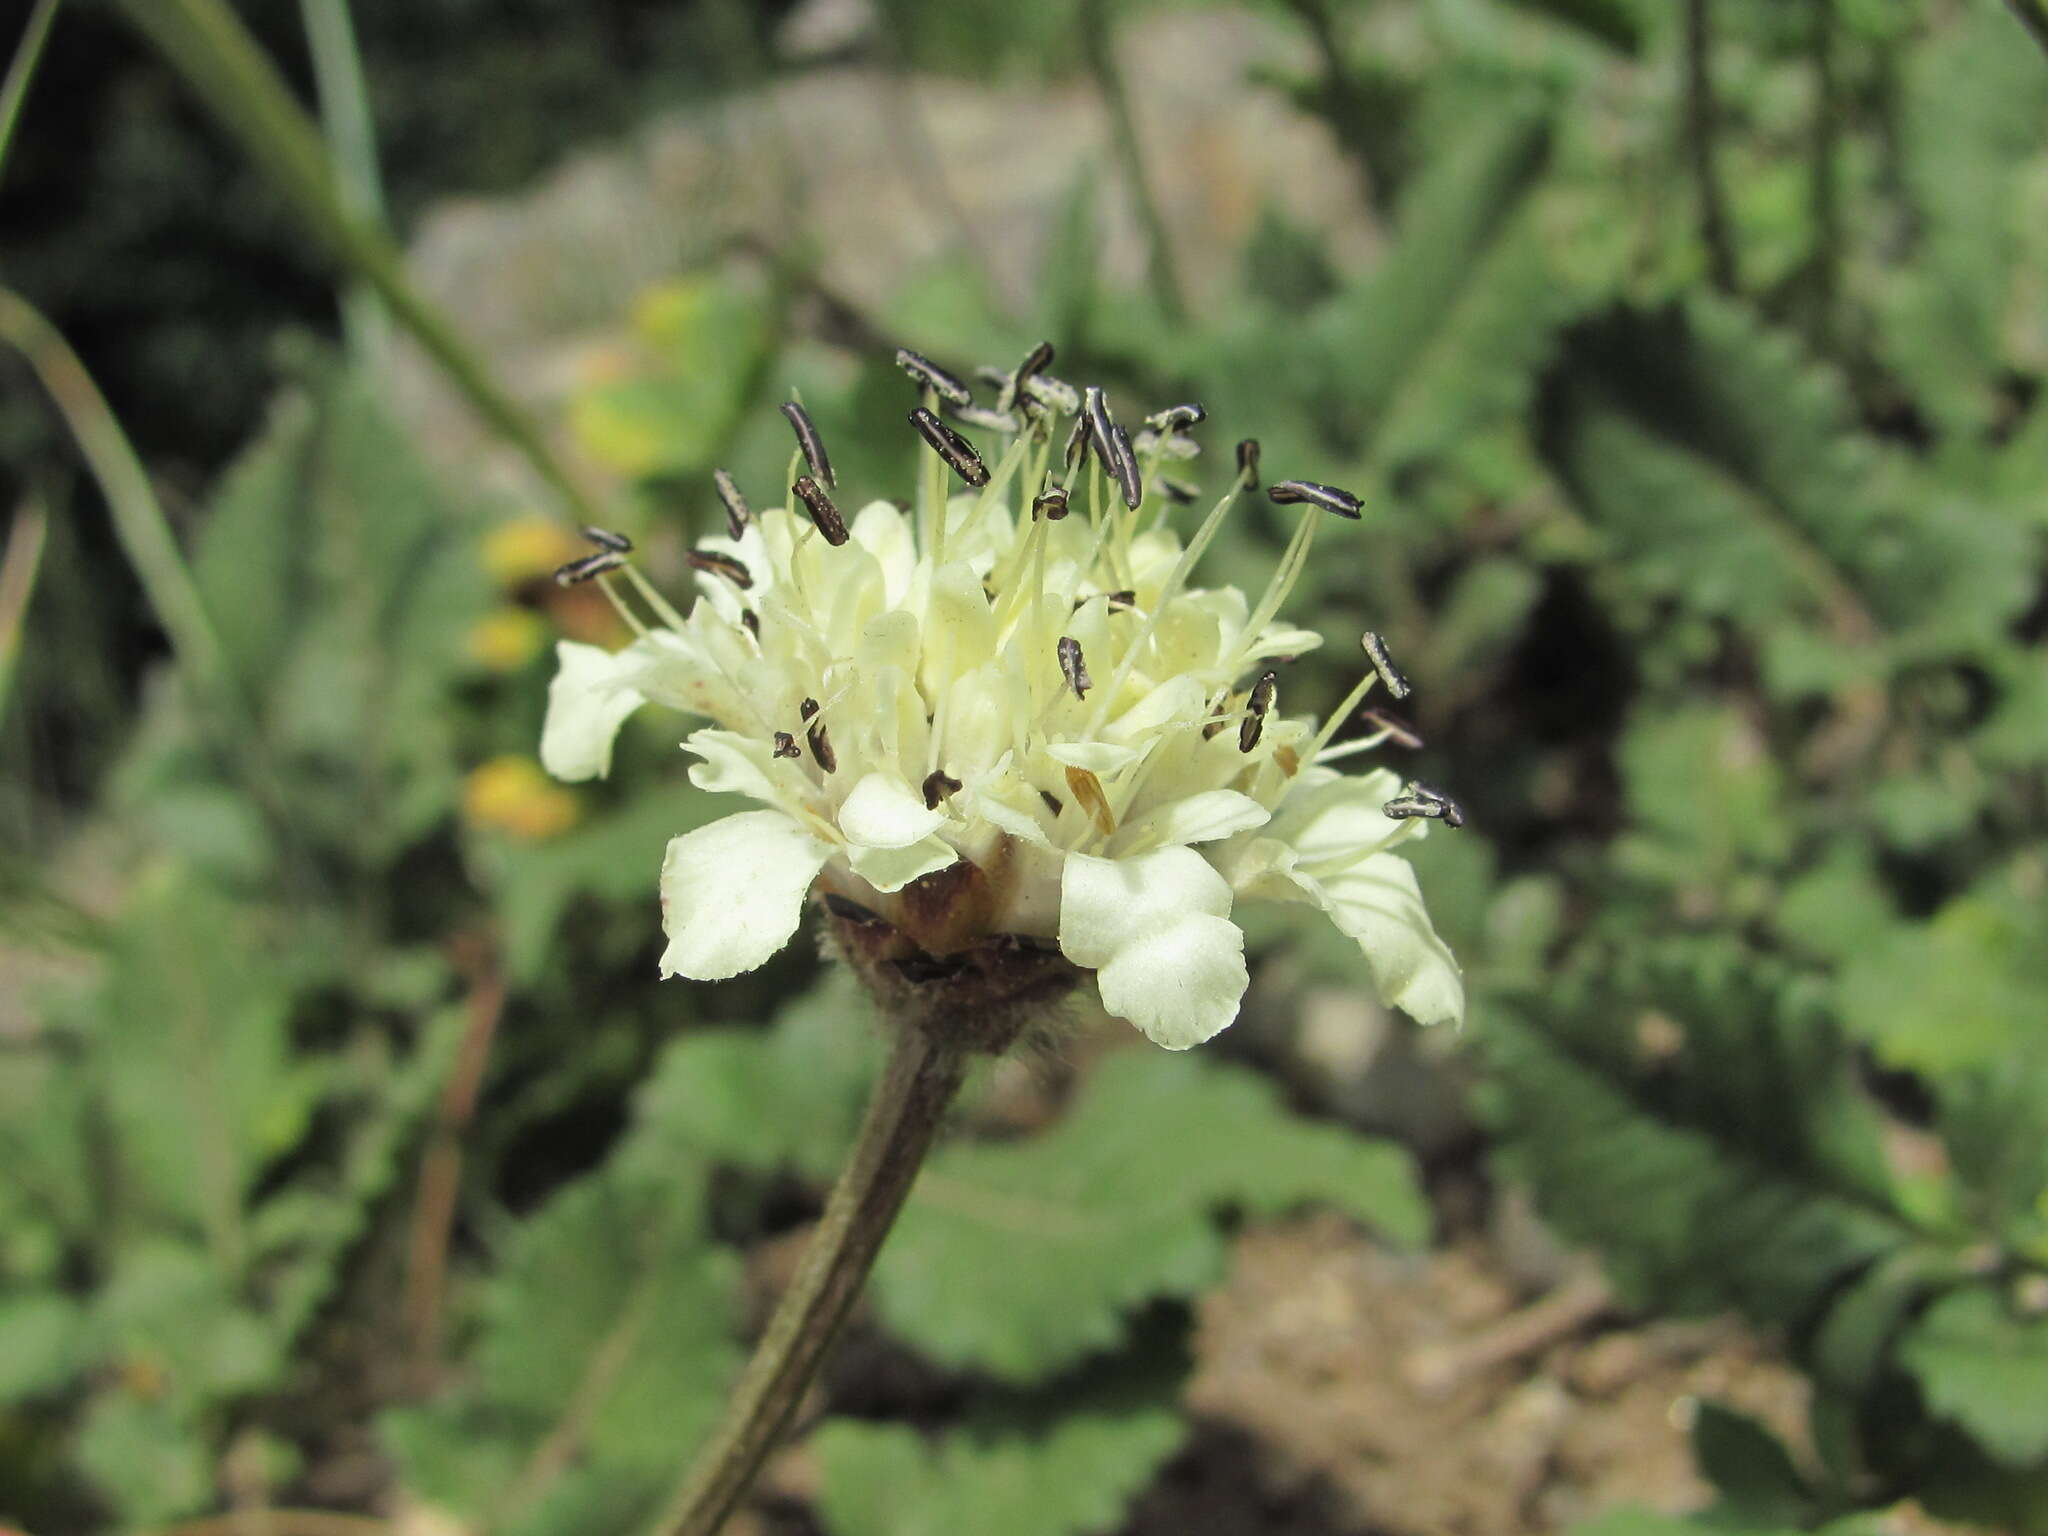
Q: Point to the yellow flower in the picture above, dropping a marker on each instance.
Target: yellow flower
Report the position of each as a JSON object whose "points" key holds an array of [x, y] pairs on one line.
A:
{"points": [[506, 638], [511, 794], [525, 549]]}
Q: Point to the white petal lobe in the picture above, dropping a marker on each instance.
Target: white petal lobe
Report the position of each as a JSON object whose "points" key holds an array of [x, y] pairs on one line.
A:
{"points": [[588, 701], [1378, 903], [733, 892], [885, 812]]}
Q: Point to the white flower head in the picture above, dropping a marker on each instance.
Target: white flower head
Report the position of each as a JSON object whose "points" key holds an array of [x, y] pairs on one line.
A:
{"points": [[1003, 740]]}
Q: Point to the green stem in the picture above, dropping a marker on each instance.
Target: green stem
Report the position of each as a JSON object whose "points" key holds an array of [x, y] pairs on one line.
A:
{"points": [[903, 1117], [145, 537], [207, 44], [19, 565], [139, 520], [1098, 46], [351, 137], [27, 55], [1702, 120]]}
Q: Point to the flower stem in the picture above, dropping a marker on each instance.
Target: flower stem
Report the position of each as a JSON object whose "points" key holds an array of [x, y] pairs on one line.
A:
{"points": [[903, 1116]]}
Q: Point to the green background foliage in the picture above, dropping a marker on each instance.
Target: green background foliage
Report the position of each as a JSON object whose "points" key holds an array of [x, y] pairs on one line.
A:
{"points": [[1722, 591]]}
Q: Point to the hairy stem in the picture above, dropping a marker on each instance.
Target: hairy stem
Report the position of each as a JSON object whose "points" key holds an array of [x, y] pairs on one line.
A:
{"points": [[1702, 119], [903, 1116]]}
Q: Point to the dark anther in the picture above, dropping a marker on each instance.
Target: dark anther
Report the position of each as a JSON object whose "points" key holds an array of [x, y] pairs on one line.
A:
{"points": [[1383, 663], [820, 740], [1255, 711], [808, 709], [1074, 667], [853, 911], [1419, 800], [752, 620], [1095, 411], [785, 745], [719, 565], [1077, 444], [604, 538], [1176, 418], [937, 785], [590, 565], [934, 378], [807, 439], [1052, 506], [1125, 468], [1036, 361], [1399, 731], [737, 513], [1248, 461], [1290, 493], [823, 513], [1125, 599], [950, 446], [1179, 492], [1052, 801]]}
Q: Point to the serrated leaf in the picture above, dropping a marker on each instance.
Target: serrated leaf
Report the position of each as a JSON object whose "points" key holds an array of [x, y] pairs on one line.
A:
{"points": [[1985, 1369], [1020, 1259], [191, 1032], [1972, 108], [1959, 991], [606, 1349], [885, 1480], [787, 1098], [1377, 336], [612, 1307], [1704, 787], [1690, 1113], [1731, 474]]}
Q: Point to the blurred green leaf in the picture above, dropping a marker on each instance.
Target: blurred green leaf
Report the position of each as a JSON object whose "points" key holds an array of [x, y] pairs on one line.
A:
{"points": [[1959, 991], [1985, 1369], [41, 1343], [789, 1098], [1749, 1467], [1707, 793], [606, 1344], [1020, 1259], [152, 1466], [1973, 104], [886, 1480], [1688, 1110]]}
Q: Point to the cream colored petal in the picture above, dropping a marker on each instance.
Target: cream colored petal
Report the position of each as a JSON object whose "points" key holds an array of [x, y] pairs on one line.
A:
{"points": [[1179, 982], [884, 812], [732, 893], [1378, 903], [589, 699], [1108, 903], [1198, 818], [890, 869]]}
